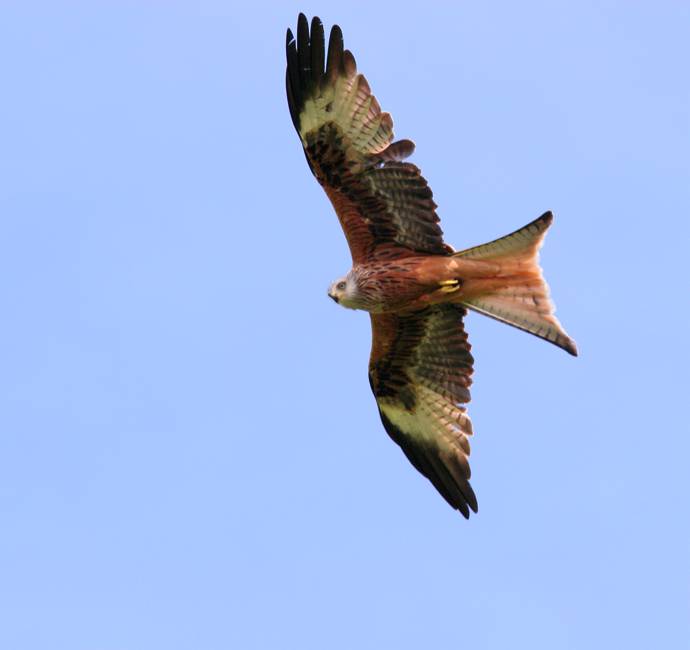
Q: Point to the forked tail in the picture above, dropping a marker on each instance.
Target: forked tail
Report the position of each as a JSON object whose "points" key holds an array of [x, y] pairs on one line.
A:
{"points": [[517, 293]]}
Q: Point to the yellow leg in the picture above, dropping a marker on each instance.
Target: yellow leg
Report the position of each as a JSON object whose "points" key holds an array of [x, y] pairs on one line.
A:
{"points": [[448, 286]]}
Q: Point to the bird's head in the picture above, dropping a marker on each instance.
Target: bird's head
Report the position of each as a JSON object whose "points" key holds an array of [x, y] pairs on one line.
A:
{"points": [[344, 291]]}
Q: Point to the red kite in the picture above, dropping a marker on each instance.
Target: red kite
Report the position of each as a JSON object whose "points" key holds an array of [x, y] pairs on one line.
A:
{"points": [[416, 288]]}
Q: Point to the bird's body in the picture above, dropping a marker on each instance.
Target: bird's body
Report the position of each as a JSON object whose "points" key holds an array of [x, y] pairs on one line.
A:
{"points": [[390, 286], [417, 282], [415, 286]]}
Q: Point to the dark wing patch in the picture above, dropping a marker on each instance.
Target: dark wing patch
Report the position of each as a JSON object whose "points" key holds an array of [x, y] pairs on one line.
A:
{"points": [[385, 206], [420, 373]]}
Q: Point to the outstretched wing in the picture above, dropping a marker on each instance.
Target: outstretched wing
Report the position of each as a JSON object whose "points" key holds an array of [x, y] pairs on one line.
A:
{"points": [[420, 372], [384, 205]]}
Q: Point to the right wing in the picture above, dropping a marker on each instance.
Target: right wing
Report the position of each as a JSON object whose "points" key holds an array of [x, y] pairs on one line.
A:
{"points": [[420, 373], [384, 205]]}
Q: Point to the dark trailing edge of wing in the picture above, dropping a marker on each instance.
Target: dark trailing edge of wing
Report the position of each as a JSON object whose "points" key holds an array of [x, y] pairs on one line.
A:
{"points": [[459, 494]]}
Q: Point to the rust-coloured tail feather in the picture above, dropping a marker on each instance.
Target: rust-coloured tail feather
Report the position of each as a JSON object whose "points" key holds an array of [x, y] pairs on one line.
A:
{"points": [[518, 294]]}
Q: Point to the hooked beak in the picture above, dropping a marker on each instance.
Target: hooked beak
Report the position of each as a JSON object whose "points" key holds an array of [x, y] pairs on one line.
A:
{"points": [[334, 298]]}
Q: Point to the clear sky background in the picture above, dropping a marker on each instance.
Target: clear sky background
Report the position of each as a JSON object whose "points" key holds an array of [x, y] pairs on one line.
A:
{"points": [[190, 457]]}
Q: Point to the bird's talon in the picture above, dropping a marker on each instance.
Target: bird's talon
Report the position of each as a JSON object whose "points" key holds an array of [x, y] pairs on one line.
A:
{"points": [[448, 286]]}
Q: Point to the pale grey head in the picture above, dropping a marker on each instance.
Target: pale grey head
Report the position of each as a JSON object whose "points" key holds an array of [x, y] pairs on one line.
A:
{"points": [[345, 292]]}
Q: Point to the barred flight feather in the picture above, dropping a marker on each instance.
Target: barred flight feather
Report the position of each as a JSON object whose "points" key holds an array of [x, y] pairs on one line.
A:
{"points": [[420, 372]]}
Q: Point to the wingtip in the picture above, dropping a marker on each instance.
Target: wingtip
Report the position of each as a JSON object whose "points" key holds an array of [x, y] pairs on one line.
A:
{"points": [[545, 220], [571, 348], [350, 65], [470, 505], [471, 499]]}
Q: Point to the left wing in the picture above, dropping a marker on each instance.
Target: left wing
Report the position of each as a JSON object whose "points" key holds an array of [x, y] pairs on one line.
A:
{"points": [[384, 205], [420, 372]]}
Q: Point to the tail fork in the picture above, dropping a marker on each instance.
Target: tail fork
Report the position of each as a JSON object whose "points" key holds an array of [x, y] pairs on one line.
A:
{"points": [[517, 294]]}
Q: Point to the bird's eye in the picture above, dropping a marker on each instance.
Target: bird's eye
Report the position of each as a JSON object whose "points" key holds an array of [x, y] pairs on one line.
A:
{"points": [[340, 286]]}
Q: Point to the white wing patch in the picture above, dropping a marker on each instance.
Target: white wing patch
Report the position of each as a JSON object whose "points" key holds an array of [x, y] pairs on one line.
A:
{"points": [[435, 423], [349, 104]]}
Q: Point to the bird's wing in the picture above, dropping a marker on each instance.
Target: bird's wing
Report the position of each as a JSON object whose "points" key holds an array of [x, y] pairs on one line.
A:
{"points": [[384, 205], [420, 372]]}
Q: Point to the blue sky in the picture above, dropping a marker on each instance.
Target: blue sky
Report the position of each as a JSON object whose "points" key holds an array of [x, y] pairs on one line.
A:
{"points": [[190, 457]]}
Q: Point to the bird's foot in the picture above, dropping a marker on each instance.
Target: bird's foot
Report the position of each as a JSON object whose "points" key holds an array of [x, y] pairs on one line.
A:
{"points": [[449, 286]]}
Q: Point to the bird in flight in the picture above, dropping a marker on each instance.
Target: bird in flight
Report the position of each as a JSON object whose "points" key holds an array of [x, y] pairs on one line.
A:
{"points": [[416, 288]]}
